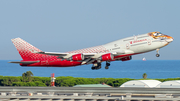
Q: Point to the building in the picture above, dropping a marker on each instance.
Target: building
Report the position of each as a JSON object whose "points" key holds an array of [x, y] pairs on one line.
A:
{"points": [[141, 83], [169, 84]]}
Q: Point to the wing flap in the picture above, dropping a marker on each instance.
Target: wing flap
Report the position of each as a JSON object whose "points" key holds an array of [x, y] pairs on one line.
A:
{"points": [[53, 53], [66, 55]]}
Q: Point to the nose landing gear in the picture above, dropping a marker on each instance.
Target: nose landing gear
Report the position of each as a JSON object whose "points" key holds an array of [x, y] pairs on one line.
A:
{"points": [[157, 55]]}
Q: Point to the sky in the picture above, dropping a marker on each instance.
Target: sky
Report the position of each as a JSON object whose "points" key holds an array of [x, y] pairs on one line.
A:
{"points": [[66, 25]]}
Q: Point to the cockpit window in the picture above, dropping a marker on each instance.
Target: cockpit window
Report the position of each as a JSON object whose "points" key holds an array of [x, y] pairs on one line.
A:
{"points": [[158, 34]]}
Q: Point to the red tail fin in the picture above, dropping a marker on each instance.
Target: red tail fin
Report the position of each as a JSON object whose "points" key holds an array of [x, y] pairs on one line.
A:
{"points": [[26, 50]]}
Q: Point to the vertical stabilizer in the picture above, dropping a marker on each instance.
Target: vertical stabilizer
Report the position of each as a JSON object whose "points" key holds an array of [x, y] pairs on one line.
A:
{"points": [[26, 50]]}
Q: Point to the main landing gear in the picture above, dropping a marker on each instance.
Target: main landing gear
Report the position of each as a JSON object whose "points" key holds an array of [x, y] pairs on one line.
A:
{"points": [[157, 55], [107, 65], [97, 66]]}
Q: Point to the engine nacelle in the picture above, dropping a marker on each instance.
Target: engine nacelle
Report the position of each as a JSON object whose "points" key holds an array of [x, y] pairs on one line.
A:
{"points": [[107, 57], [77, 57], [126, 58]]}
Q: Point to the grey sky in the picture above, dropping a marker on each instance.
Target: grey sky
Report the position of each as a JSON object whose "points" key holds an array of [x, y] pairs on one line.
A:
{"points": [[65, 25]]}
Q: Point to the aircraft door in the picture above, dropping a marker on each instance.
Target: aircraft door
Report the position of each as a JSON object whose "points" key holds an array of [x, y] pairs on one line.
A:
{"points": [[127, 46], [149, 41]]}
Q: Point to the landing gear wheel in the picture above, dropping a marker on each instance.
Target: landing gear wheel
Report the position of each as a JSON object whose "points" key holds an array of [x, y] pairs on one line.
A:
{"points": [[157, 55], [93, 68], [107, 64], [99, 67], [96, 66], [106, 67]]}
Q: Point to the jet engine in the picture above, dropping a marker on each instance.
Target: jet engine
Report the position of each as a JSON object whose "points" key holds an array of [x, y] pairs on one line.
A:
{"points": [[107, 57], [77, 57], [126, 58]]}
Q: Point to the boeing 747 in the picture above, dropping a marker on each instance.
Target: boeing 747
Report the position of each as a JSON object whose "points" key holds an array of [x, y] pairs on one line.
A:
{"points": [[120, 50]]}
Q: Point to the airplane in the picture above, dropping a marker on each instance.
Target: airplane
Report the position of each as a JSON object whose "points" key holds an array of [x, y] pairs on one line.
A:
{"points": [[120, 50]]}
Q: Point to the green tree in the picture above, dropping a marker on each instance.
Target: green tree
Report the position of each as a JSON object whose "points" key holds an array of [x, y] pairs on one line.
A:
{"points": [[37, 83], [144, 75], [27, 77], [8, 80]]}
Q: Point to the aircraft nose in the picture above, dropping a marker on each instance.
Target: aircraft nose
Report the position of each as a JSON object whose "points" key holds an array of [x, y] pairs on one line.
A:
{"points": [[169, 39]]}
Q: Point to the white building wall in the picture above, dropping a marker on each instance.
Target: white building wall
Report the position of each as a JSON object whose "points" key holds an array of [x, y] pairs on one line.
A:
{"points": [[141, 83], [169, 84]]}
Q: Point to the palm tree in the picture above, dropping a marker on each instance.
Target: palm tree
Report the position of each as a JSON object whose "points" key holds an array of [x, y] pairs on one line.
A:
{"points": [[27, 76], [144, 75]]}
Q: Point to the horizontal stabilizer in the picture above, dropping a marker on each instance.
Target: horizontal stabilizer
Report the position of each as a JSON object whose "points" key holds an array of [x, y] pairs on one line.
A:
{"points": [[24, 62], [53, 53]]}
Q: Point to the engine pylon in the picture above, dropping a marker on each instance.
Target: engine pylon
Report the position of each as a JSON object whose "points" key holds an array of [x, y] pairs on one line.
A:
{"points": [[52, 80]]}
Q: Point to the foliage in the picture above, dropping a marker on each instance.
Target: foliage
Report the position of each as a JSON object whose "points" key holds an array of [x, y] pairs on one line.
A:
{"points": [[8, 80], [27, 77], [65, 81], [45, 80], [38, 83], [144, 75], [168, 79]]}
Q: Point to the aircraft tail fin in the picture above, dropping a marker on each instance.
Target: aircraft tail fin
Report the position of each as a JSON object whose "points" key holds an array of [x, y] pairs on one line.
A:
{"points": [[26, 50]]}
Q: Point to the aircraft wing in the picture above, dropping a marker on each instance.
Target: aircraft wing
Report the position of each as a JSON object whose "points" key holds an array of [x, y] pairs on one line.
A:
{"points": [[85, 58], [53, 53], [66, 55], [84, 54]]}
